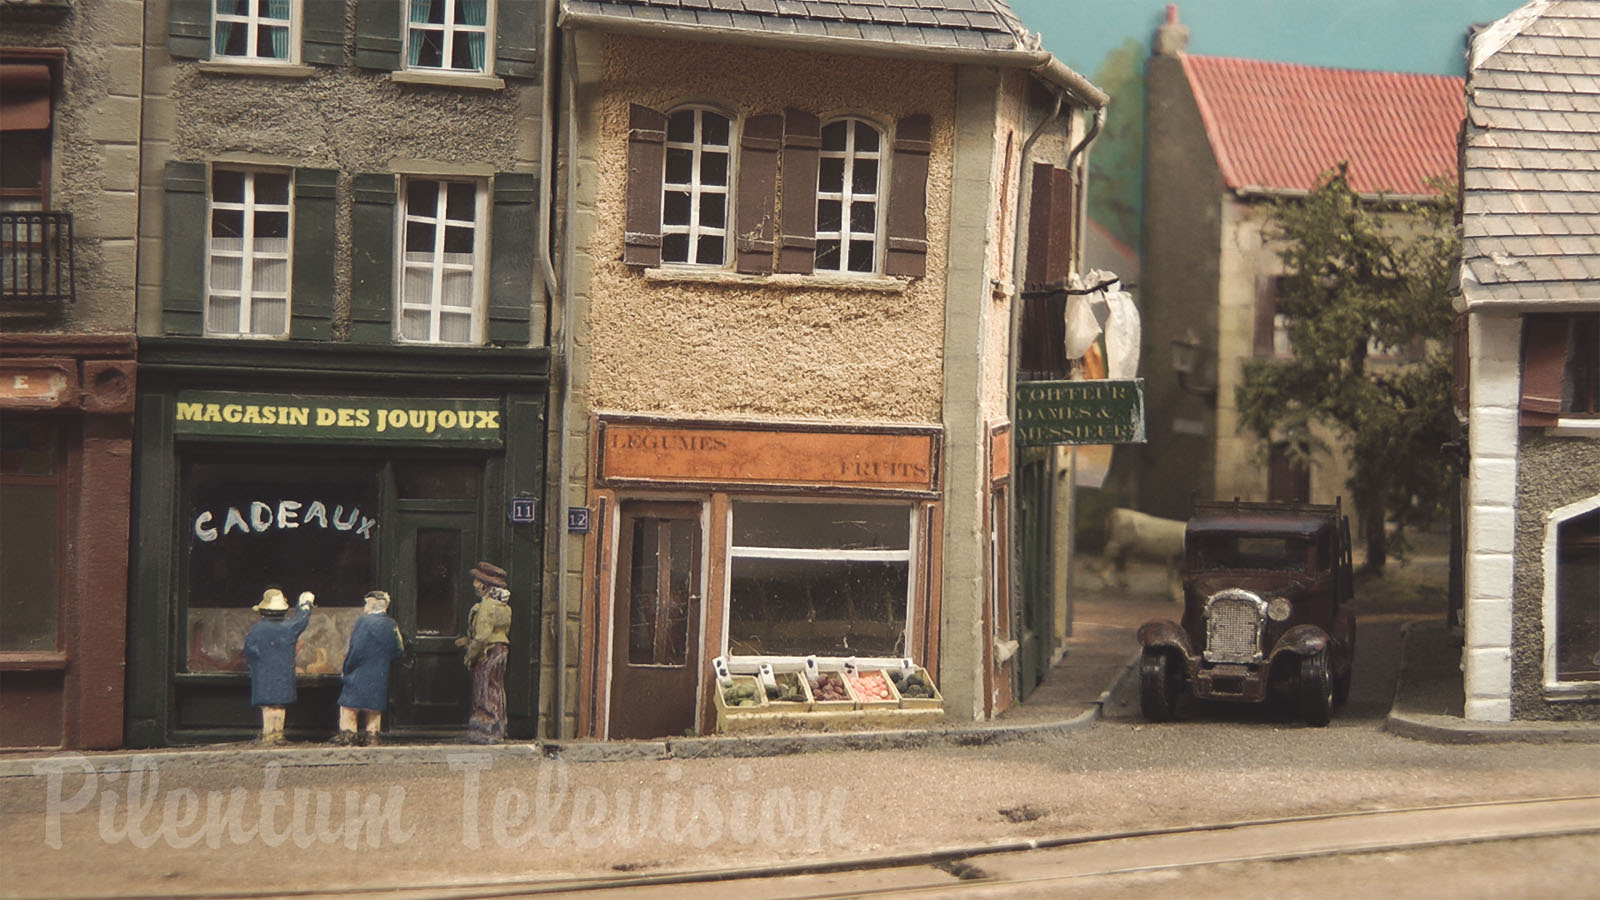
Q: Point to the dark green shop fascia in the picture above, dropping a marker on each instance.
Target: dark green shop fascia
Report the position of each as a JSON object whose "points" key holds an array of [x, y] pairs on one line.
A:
{"points": [[167, 704]]}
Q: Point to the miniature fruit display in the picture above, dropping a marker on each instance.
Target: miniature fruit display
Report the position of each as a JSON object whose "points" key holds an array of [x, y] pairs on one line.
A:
{"points": [[830, 691], [872, 689], [790, 692], [917, 690], [741, 693]]}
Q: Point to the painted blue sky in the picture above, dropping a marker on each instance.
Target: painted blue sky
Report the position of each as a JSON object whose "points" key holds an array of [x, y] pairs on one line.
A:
{"points": [[1426, 36]]}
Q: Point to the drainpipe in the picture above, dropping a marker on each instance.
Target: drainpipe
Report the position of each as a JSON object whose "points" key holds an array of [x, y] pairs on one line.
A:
{"points": [[555, 457]]}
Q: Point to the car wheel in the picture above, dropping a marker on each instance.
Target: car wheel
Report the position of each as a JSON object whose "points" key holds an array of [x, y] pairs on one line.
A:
{"points": [[1316, 689], [1341, 688], [1160, 681]]}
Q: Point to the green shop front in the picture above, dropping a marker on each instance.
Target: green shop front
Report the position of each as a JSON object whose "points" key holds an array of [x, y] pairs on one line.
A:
{"points": [[336, 470]]}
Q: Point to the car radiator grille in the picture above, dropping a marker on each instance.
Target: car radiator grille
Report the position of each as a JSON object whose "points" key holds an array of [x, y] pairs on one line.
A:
{"points": [[1233, 630]]}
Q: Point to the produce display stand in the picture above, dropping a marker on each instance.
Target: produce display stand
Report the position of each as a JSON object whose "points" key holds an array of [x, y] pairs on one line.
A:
{"points": [[739, 718], [813, 714], [934, 702]]}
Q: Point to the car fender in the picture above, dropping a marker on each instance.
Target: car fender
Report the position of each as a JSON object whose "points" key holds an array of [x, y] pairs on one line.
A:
{"points": [[1301, 640], [1165, 633]]}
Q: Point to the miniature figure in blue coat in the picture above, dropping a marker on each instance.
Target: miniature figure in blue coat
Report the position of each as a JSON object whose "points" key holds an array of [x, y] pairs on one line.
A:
{"points": [[269, 651], [375, 642]]}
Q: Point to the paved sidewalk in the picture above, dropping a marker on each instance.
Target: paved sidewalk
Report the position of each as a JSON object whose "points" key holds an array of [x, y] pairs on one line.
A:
{"points": [[1100, 654]]}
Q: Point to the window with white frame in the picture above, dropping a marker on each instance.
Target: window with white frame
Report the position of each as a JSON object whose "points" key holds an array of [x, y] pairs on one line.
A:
{"points": [[823, 579], [247, 271], [847, 197], [694, 195], [255, 30], [442, 224], [452, 35], [1571, 602]]}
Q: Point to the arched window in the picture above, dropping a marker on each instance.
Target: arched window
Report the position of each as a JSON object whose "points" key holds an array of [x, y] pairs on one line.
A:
{"points": [[694, 191], [1571, 604], [848, 184]]}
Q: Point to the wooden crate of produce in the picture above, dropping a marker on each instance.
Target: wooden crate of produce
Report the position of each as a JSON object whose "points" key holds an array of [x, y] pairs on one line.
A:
{"points": [[874, 690], [730, 715], [825, 697], [936, 701], [791, 684]]}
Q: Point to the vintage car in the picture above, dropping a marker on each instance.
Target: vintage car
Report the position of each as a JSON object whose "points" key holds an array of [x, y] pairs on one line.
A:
{"points": [[1267, 591]]}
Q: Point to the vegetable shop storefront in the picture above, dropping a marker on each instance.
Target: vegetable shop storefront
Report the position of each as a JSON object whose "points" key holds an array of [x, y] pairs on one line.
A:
{"points": [[337, 474]]}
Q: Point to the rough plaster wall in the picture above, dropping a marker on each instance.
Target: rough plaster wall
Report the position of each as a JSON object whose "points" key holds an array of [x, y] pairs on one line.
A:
{"points": [[761, 350], [94, 166], [1551, 472], [345, 118]]}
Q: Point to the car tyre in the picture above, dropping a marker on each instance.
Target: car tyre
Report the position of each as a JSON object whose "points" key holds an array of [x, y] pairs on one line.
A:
{"points": [[1316, 689], [1160, 682]]}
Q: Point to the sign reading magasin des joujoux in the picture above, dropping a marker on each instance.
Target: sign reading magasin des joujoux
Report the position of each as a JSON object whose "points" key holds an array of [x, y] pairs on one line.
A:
{"points": [[1080, 412], [429, 419]]}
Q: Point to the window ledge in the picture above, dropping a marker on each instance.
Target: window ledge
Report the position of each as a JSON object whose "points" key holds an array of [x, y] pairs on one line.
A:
{"points": [[269, 70], [32, 661], [1557, 692], [1586, 427], [449, 79], [870, 283]]}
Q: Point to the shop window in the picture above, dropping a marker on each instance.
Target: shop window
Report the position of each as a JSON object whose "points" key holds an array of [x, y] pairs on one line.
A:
{"points": [[248, 266], [1572, 610], [441, 258], [819, 579], [694, 200], [29, 533], [254, 524], [256, 30], [447, 34]]}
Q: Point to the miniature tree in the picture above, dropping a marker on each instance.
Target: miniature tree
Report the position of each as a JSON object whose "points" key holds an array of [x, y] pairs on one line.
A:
{"points": [[1360, 274]]}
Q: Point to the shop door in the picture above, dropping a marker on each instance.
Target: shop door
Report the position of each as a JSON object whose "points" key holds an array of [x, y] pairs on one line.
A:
{"points": [[430, 687], [1035, 612], [655, 621]]}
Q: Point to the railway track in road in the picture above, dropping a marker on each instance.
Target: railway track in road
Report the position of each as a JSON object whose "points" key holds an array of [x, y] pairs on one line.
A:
{"points": [[1037, 863]]}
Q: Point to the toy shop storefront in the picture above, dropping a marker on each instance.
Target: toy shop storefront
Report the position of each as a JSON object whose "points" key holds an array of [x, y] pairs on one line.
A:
{"points": [[370, 476]]}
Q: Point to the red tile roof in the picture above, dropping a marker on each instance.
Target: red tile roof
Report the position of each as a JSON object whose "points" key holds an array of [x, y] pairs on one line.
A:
{"points": [[1277, 126]]}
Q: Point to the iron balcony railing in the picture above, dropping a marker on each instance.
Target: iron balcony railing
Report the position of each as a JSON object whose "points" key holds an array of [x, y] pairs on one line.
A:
{"points": [[36, 257]]}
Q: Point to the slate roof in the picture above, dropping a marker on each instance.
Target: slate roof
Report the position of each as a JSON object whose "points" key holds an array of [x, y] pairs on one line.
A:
{"points": [[1275, 127], [964, 24], [1531, 174]]}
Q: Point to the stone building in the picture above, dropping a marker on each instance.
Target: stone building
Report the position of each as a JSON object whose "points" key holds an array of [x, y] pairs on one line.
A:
{"points": [[69, 124], [342, 324], [790, 303], [1530, 395], [1225, 139]]}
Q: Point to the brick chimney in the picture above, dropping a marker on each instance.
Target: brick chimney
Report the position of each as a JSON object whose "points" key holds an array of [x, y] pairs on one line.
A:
{"points": [[1172, 37]]}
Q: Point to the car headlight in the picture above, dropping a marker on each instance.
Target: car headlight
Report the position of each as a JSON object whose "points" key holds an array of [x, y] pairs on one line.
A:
{"points": [[1278, 609]]}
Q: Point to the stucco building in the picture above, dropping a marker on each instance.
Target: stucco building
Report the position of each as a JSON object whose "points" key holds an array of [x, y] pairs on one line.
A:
{"points": [[1225, 139], [790, 290], [69, 121], [342, 320], [1530, 292]]}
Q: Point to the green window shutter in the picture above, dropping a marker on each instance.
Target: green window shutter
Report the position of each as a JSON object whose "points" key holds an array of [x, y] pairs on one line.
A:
{"points": [[189, 29], [316, 204], [372, 259], [183, 249], [511, 257], [322, 24], [516, 39], [378, 34]]}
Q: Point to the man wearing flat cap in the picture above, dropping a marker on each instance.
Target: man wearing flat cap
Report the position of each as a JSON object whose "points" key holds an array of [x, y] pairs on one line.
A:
{"points": [[269, 652], [488, 634], [375, 642]]}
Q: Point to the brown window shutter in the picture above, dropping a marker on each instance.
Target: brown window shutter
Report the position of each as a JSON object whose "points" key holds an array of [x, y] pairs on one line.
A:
{"points": [[755, 212], [802, 136], [907, 227], [1544, 361], [1063, 211], [1041, 195], [647, 148], [1266, 314]]}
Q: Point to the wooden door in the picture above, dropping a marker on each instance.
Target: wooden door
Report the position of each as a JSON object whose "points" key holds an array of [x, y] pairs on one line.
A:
{"points": [[430, 687], [655, 621]]}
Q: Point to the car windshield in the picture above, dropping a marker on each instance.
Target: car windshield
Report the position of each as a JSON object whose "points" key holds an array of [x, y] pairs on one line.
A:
{"points": [[1226, 551]]}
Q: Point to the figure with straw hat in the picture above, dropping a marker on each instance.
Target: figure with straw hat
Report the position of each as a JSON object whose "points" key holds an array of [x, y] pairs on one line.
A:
{"points": [[487, 639], [269, 651]]}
